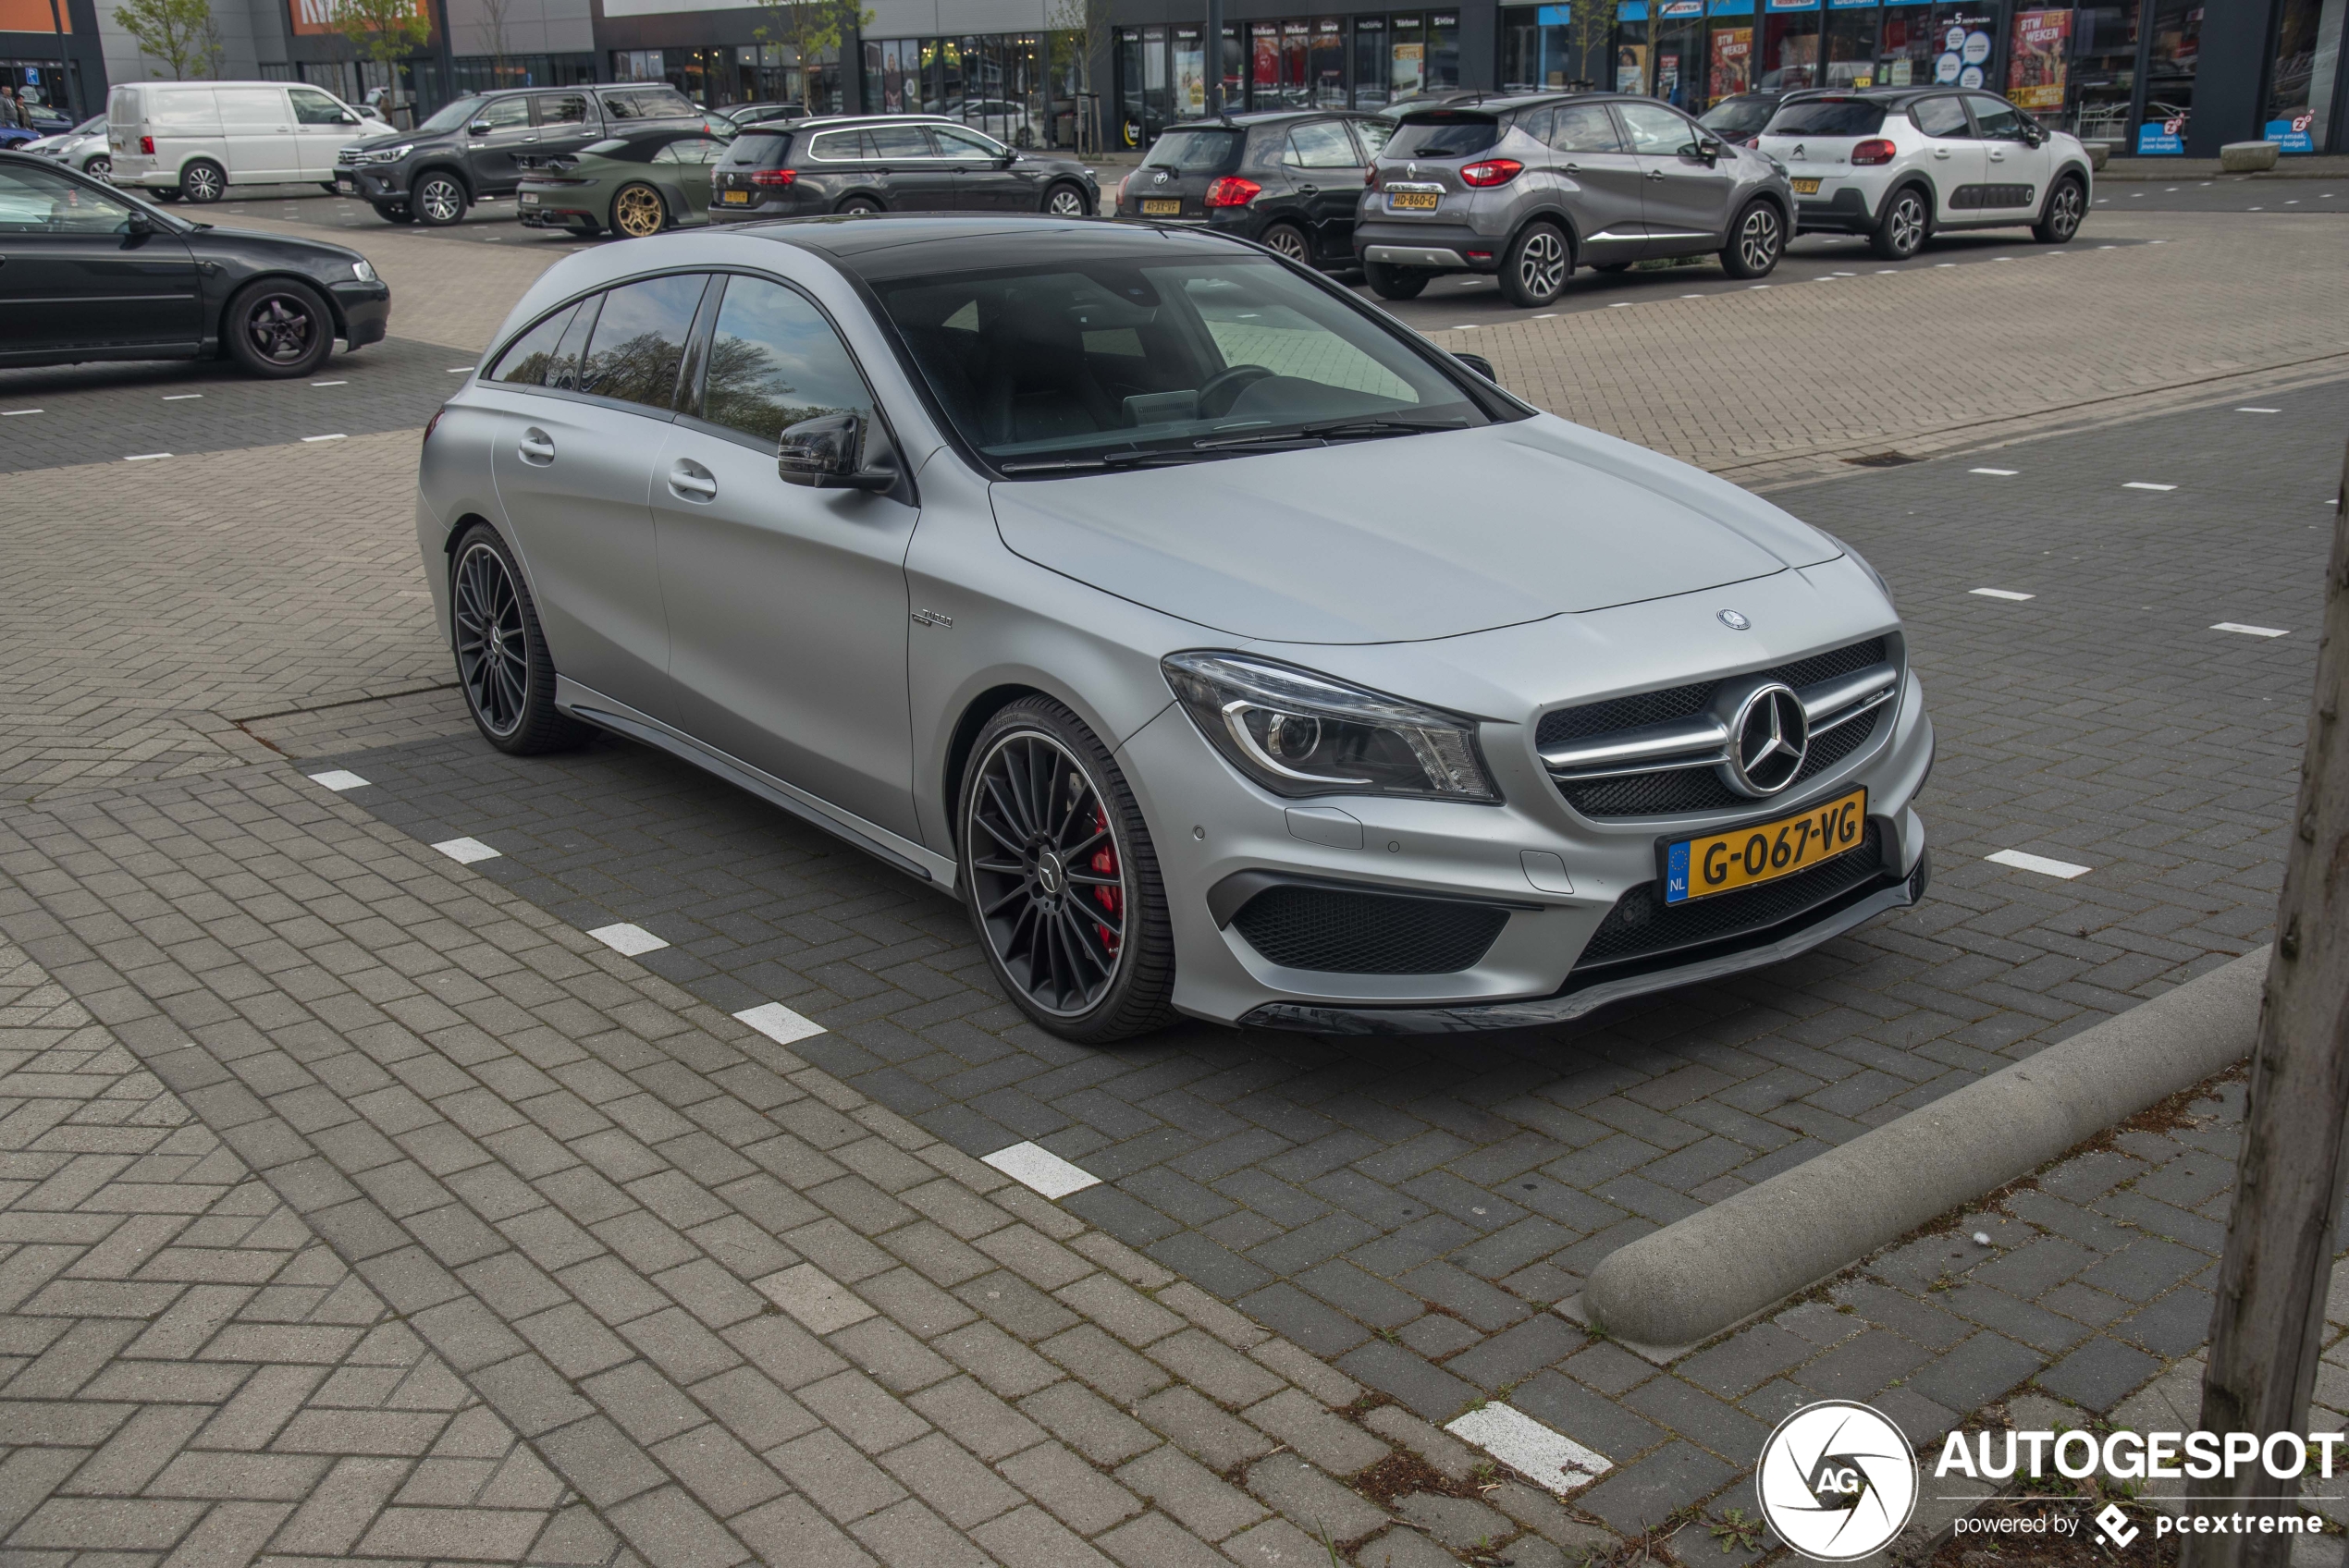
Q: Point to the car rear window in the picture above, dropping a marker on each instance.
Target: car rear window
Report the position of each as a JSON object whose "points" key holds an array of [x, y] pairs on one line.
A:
{"points": [[1448, 134], [1734, 119], [649, 104], [1829, 117], [758, 149], [1196, 151]]}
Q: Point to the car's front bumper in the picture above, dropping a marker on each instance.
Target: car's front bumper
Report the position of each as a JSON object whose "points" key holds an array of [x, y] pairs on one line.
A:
{"points": [[367, 310], [373, 182]]}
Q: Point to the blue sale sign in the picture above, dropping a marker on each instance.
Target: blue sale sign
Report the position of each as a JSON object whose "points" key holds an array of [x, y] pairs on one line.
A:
{"points": [[2292, 135], [2157, 138]]}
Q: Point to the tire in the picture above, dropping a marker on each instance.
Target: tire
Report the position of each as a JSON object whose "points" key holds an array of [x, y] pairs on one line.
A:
{"points": [[510, 689], [1289, 240], [100, 168], [1066, 201], [171, 195], [1611, 267], [1903, 230], [204, 182], [438, 199], [278, 328], [1756, 241], [858, 204], [330, 188], [1021, 844], [1395, 283], [395, 215], [2059, 220], [1535, 267], [638, 212]]}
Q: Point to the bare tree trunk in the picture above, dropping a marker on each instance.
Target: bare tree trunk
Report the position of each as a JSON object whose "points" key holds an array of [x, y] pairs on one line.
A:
{"points": [[2280, 1235]]}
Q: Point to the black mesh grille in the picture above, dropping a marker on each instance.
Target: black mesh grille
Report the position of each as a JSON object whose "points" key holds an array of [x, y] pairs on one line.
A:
{"points": [[1641, 926], [1699, 788], [1343, 933]]}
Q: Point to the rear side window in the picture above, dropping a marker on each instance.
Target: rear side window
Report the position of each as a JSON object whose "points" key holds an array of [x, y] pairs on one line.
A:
{"points": [[839, 147], [649, 103], [640, 340], [774, 361], [1938, 117], [899, 141], [563, 108], [758, 150], [1584, 128], [1443, 136], [1830, 116], [1195, 152], [531, 356]]}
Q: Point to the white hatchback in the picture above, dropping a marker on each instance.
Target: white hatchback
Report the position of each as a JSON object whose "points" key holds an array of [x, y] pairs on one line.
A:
{"points": [[195, 138], [1900, 165]]}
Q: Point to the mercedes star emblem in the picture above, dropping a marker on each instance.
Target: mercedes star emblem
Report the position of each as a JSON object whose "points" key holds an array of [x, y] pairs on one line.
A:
{"points": [[1768, 737], [1734, 621]]}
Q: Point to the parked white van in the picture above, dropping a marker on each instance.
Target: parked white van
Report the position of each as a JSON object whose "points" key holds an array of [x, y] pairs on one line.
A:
{"points": [[195, 138]]}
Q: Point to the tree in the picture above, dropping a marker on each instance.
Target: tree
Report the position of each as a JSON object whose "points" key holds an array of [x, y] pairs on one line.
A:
{"points": [[2281, 1233], [493, 27], [1590, 37], [1086, 26], [386, 31], [808, 28], [180, 34]]}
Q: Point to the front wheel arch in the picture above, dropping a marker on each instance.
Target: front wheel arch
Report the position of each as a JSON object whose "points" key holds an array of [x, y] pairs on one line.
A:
{"points": [[974, 714], [334, 307]]}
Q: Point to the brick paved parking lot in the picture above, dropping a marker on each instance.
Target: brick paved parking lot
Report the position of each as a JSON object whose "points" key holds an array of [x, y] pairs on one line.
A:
{"points": [[354, 1202]]}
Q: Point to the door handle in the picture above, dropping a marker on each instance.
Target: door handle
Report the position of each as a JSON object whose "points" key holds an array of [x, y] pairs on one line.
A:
{"points": [[535, 446], [1574, 168], [1655, 174], [1308, 190], [1940, 152], [692, 480]]}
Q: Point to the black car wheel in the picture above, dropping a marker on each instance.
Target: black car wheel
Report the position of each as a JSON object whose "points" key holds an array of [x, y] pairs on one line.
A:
{"points": [[1290, 241], [2067, 204], [858, 204], [1756, 241], [1900, 232], [279, 328], [202, 183], [1536, 266], [439, 200], [502, 663], [1061, 878], [1065, 200], [1395, 283]]}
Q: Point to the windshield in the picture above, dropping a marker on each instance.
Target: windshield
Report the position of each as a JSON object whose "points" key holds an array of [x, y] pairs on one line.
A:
{"points": [[1194, 151], [94, 126], [1095, 363], [461, 112], [1734, 119], [1442, 135], [1829, 117]]}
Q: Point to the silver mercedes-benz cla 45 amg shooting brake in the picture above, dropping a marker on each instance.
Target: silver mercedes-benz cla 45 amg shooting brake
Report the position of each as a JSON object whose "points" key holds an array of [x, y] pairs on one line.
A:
{"points": [[1226, 647]]}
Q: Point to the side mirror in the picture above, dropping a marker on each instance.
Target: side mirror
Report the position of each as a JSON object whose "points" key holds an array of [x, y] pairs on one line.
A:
{"points": [[827, 453], [1709, 150], [479, 127], [1480, 364], [138, 222]]}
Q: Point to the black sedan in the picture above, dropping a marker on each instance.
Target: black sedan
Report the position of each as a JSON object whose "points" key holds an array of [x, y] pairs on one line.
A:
{"points": [[889, 164], [89, 272], [1289, 179]]}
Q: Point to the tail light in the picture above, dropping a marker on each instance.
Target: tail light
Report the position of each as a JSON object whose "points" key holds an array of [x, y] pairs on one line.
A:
{"points": [[1231, 190], [434, 424], [1491, 171], [773, 177], [1754, 142], [1370, 176], [1121, 186], [1874, 149], [147, 146]]}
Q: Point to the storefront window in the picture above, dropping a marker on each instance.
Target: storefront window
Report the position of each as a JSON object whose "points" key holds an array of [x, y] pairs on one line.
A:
{"points": [[1849, 47], [2308, 63], [1729, 57], [1904, 57], [1190, 72], [1790, 45], [1536, 44], [1631, 46], [2175, 51], [1678, 31], [1965, 35], [1325, 64], [1443, 51]]}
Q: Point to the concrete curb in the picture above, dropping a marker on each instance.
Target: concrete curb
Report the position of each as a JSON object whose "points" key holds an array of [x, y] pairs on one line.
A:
{"points": [[1698, 1276]]}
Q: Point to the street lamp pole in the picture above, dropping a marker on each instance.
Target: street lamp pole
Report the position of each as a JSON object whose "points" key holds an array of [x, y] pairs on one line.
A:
{"points": [[65, 66], [1214, 55]]}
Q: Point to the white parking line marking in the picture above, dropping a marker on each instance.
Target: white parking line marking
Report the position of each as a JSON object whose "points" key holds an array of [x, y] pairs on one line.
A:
{"points": [[181, 396], [1885, 272], [1847, 274], [1945, 263], [1548, 316], [2255, 209], [147, 458], [2293, 202], [1526, 1445], [2108, 247], [456, 370], [2169, 190], [1464, 329], [2001, 472], [19, 413], [1620, 305], [2250, 630], [1757, 285], [2142, 484], [622, 937], [2001, 594], [1034, 1166], [314, 440], [338, 780], [2259, 411], [330, 384], [779, 1022], [465, 852], [2063, 869]]}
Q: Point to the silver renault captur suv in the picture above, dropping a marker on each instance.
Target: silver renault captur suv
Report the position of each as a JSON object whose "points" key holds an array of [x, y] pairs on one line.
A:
{"points": [[1227, 648], [1530, 188]]}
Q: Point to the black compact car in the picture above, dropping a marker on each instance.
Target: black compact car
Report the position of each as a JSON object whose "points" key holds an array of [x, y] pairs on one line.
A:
{"points": [[468, 152], [94, 274], [1290, 180], [889, 164]]}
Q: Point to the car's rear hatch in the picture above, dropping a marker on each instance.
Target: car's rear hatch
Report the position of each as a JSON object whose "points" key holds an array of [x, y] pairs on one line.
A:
{"points": [[1182, 166], [733, 182], [1418, 176], [1814, 136]]}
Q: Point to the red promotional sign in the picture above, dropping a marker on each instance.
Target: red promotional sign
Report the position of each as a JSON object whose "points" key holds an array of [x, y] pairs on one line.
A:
{"points": [[2035, 72]]}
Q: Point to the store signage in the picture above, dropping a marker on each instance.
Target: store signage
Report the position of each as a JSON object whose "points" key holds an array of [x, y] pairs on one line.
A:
{"points": [[2292, 135], [1790, 5], [311, 17], [1681, 9], [1552, 15], [1732, 8], [1851, 5], [2035, 72], [2162, 137]]}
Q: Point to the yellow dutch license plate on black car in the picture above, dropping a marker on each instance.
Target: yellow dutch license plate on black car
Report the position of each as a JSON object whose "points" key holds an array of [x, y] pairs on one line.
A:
{"points": [[1805, 187], [738, 198], [1161, 206], [1411, 201], [1722, 862]]}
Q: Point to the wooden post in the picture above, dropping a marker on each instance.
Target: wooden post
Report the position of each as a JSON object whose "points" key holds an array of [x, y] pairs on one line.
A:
{"points": [[2281, 1234]]}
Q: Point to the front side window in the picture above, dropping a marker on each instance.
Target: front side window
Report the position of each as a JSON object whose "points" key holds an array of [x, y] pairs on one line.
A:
{"points": [[964, 144], [34, 200], [640, 339], [1320, 144], [1373, 134], [1584, 128], [1995, 119], [774, 361], [1057, 366], [1942, 117], [1657, 132], [313, 107], [504, 113], [459, 112]]}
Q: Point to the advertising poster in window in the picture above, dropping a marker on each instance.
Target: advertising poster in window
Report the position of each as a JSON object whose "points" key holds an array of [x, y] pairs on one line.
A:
{"points": [[1190, 72], [2293, 135], [2035, 71], [1409, 70], [312, 17], [1732, 61]]}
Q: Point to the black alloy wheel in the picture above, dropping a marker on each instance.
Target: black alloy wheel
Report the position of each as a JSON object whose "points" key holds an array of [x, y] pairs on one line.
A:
{"points": [[502, 663], [202, 183], [2067, 204], [1756, 244], [1901, 233], [1061, 879], [279, 328]]}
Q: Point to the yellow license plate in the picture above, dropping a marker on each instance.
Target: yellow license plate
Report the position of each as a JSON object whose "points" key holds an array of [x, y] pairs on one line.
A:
{"points": [[1805, 187], [1722, 862], [1412, 200], [737, 198], [1161, 206]]}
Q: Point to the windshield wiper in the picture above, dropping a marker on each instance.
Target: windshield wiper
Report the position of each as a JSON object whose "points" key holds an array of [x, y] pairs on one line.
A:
{"points": [[1107, 459], [1333, 430]]}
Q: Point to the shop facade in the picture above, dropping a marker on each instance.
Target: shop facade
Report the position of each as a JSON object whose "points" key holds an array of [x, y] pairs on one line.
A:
{"points": [[1363, 61]]}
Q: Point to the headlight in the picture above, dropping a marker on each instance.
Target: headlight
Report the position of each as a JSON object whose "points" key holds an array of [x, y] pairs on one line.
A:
{"points": [[363, 271], [1297, 733], [387, 154]]}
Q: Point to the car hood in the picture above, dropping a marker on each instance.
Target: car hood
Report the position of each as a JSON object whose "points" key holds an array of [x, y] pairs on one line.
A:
{"points": [[252, 248], [390, 138], [1407, 538]]}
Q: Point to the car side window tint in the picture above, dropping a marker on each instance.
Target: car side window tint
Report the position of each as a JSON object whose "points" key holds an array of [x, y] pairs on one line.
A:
{"points": [[1995, 120], [313, 107], [563, 375], [1320, 144], [675, 152], [526, 361], [1657, 132], [640, 340], [1372, 134], [34, 200], [899, 141], [1535, 123], [839, 147], [1584, 128], [504, 113], [774, 361], [956, 144], [1942, 117], [563, 108]]}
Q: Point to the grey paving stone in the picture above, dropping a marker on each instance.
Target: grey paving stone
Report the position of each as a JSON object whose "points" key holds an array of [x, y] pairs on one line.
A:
{"points": [[2099, 1374], [1643, 1495]]}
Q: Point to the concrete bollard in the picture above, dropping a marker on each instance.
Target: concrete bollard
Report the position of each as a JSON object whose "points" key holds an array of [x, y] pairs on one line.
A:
{"points": [[2248, 157]]}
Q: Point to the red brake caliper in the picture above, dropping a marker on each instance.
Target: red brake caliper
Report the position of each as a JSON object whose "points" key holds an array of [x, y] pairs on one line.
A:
{"points": [[1105, 864]]}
